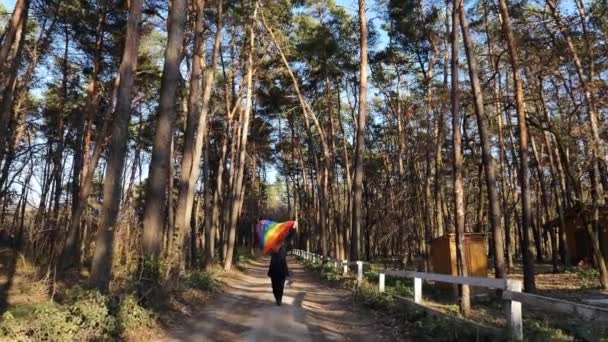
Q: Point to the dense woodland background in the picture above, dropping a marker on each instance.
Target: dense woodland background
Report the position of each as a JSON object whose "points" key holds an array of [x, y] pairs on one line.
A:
{"points": [[141, 139]]}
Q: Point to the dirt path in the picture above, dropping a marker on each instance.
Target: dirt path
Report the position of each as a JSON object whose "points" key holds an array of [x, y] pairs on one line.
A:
{"points": [[310, 312]]}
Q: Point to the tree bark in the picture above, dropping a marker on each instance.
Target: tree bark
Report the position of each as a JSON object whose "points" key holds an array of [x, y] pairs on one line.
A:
{"points": [[465, 305], [237, 193], [486, 153], [357, 206], [159, 164], [529, 283], [10, 57], [71, 250], [193, 149], [102, 260], [12, 35]]}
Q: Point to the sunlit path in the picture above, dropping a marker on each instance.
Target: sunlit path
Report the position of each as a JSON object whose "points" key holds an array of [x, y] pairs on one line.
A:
{"points": [[310, 312]]}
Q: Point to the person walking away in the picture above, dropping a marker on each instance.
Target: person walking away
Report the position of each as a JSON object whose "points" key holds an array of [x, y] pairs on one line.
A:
{"points": [[278, 271]]}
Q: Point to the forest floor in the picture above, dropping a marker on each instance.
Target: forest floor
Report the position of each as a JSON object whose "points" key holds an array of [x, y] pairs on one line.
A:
{"points": [[245, 310], [577, 284]]}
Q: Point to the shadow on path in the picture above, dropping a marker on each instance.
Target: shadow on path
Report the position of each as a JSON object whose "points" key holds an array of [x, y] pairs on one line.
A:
{"points": [[246, 311]]}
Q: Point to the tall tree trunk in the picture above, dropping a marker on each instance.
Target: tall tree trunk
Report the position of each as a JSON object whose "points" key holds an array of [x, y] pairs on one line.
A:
{"points": [[10, 58], [102, 260], [18, 16], [486, 153], [348, 189], [193, 149], [8, 107], [71, 250], [465, 305], [357, 207], [59, 147], [237, 193], [217, 201], [543, 195], [159, 164], [558, 183], [529, 283], [182, 218]]}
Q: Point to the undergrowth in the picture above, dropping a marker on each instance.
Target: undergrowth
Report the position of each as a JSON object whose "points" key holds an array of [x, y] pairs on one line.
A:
{"points": [[536, 327], [201, 280], [86, 314]]}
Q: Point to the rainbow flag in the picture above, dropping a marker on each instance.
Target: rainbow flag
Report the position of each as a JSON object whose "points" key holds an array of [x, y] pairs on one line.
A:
{"points": [[271, 233]]}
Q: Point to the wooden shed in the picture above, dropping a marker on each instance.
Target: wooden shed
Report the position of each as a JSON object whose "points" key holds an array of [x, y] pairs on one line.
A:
{"points": [[443, 254], [577, 238]]}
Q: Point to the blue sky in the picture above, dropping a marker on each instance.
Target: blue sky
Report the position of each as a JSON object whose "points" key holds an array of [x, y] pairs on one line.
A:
{"points": [[9, 4]]}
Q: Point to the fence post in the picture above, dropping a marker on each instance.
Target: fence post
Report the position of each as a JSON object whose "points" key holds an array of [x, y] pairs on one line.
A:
{"points": [[345, 271], [514, 316], [359, 272], [381, 282], [418, 290]]}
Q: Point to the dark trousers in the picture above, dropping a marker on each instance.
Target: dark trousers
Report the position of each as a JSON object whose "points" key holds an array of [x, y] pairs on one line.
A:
{"points": [[278, 284]]}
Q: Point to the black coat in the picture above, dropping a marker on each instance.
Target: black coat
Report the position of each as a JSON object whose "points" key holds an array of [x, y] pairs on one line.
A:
{"points": [[278, 263]]}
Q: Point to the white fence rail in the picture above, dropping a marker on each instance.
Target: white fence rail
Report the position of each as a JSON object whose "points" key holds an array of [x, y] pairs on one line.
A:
{"points": [[511, 292], [316, 258]]}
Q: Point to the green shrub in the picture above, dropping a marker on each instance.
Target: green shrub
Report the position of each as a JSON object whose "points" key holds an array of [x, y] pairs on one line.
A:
{"points": [[536, 330], [401, 288], [313, 267], [371, 297], [202, 281], [89, 309], [329, 274], [42, 322], [131, 316], [84, 315]]}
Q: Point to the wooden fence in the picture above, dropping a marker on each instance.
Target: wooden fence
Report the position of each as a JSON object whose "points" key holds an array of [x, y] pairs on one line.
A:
{"points": [[511, 292]]}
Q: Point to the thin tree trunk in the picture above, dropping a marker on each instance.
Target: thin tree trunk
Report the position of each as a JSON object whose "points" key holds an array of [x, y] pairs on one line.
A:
{"points": [[190, 172], [7, 107], [348, 190], [357, 207], [486, 153], [237, 189], [529, 283], [543, 194], [159, 164], [465, 305], [10, 57], [71, 250], [102, 260], [59, 148]]}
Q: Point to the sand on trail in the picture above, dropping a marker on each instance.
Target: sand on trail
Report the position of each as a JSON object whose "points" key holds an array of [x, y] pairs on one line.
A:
{"points": [[311, 311]]}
